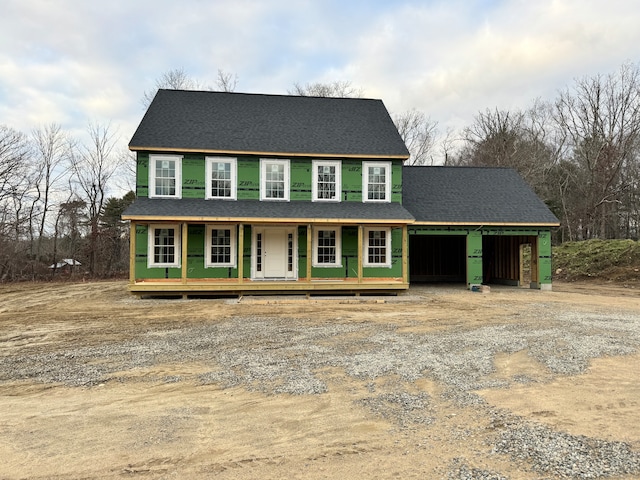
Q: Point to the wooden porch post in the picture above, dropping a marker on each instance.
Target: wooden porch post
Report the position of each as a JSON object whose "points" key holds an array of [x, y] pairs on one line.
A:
{"points": [[405, 254], [240, 253], [183, 262], [309, 252], [132, 252], [360, 250]]}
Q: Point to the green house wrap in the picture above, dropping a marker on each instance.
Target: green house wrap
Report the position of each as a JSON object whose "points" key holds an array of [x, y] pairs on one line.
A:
{"points": [[240, 193]]}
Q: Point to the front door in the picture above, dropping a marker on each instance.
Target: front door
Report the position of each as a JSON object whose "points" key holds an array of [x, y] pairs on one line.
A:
{"points": [[274, 253]]}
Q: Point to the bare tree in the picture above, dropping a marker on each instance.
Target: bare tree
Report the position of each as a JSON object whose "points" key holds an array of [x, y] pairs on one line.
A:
{"points": [[227, 82], [125, 177], [449, 147], [419, 135], [494, 139], [514, 139], [51, 150], [178, 79], [68, 237], [600, 120], [94, 165], [338, 89], [14, 149], [14, 160], [115, 233]]}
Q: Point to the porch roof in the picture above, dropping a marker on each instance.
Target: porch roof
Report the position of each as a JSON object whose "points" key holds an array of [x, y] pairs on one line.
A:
{"points": [[197, 209]]}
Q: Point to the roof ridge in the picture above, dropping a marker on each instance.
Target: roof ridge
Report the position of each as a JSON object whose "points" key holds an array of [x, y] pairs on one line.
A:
{"points": [[258, 94]]}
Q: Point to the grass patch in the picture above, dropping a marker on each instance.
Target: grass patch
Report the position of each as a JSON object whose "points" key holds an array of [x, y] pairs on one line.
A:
{"points": [[610, 260]]}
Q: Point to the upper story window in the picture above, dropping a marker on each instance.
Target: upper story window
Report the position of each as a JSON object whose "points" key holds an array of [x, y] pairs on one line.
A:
{"points": [[327, 247], [327, 177], [221, 177], [377, 247], [164, 246], [274, 179], [221, 246], [376, 181], [165, 176]]}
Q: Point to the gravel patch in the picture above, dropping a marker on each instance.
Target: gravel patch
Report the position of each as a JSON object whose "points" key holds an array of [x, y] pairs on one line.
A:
{"points": [[283, 355], [459, 470], [564, 455], [276, 355], [404, 409]]}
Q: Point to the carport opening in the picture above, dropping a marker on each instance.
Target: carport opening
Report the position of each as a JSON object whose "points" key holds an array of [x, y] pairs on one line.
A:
{"points": [[437, 258], [506, 260]]}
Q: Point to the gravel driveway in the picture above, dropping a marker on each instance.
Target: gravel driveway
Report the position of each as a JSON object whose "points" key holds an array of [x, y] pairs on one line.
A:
{"points": [[277, 355]]}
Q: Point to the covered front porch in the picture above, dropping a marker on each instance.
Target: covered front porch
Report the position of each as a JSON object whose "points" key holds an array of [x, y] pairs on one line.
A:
{"points": [[272, 258]]}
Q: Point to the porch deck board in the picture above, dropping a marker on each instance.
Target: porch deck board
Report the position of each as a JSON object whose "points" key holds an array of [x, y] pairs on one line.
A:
{"points": [[166, 286]]}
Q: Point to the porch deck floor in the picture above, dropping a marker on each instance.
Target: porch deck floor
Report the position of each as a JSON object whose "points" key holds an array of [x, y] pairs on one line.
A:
{"points": [[262, 287]]}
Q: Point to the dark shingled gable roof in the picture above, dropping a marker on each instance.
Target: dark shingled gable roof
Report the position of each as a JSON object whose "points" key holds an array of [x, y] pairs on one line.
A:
{"points": [[472, 195], [271, 124], [210, 210]]}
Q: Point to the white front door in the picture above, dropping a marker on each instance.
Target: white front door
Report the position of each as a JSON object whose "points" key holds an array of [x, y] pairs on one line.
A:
{"points": [[274, 253]]}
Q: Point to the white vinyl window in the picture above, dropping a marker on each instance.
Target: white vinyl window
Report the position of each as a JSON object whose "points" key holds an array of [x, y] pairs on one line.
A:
{"points": [[274, 179], [164, 246], [327, 247], [221, 177], [376, 181], [377, 247], [221, 246], [326, 186], [165, 176]]}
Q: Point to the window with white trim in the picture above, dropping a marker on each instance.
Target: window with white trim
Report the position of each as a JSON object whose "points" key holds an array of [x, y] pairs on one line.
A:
{"points": [[221, 246], [221, 177], [274, 179], [326, 178], [165, 176], [327, 244], [164, 246], [377, 247], [376, 181]]}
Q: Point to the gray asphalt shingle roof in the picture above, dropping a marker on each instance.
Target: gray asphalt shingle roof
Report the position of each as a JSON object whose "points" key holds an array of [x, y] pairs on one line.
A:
{"points": [[276, 124], [476, 195], [439, 195], [254, 209], [179, 120]]}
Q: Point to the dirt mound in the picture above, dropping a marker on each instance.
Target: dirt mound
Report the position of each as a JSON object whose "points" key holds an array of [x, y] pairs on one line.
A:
{"points": [[605, 260]]}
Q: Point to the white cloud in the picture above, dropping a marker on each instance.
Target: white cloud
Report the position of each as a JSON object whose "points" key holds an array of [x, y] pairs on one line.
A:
{"points": [[72, 61], [451, 63]]}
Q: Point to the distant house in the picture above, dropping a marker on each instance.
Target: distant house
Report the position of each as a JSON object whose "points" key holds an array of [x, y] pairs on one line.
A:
{"points": [[241, 193], [65, 266]]}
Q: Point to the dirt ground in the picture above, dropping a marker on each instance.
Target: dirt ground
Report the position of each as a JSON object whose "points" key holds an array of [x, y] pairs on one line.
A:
{"points": [[139, 423]]}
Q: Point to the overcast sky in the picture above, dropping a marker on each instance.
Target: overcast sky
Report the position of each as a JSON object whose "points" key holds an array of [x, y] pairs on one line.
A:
{"points": [[75, 61]]}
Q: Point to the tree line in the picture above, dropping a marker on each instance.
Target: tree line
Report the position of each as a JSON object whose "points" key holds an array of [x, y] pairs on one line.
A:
{"points": [[580, 152], [55, 203]]}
